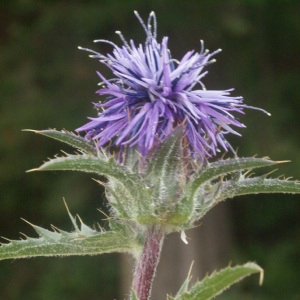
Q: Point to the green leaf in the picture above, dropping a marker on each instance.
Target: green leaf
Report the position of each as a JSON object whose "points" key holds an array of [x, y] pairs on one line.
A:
{"points": [[83, 241], [92, 164], [216, 283], [257, 185], [184, 287], [222, 168], [199, 194], [127, 183], [242, 186], [69, 138]]}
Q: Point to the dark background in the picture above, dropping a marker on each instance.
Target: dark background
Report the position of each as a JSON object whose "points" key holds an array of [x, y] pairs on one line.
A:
{"points": [[45, 82]]}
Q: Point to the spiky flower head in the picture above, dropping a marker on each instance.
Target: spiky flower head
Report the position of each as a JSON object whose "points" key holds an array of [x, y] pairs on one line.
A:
{"points": [[153, 93]]}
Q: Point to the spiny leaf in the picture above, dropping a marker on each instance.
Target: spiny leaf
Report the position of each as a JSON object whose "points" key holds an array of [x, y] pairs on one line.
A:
{"points": [[83, 241], [130, 183], [225, 167], [69, 138], [257, 185], [231, 188], [216, 283], [184, 287], [92, 164], [220, 168], [186, 205]]}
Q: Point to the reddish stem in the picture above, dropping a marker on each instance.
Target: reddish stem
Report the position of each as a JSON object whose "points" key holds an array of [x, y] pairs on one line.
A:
{"points": [[147, 263]]}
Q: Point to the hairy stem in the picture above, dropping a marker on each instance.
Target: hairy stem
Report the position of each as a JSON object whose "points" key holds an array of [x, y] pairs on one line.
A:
{"points": [[146, 265]]}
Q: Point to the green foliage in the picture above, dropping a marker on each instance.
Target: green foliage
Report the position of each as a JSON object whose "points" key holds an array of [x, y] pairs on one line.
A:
{"points": [[71, 139], [83, 241], [217, 282], [225, 167], [202, 182], [146, 199], [151, 197]]}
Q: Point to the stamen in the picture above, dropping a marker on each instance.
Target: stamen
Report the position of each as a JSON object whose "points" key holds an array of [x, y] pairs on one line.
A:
{"points": [[97, 54], [216, 52], [152, 16], [212, 61], [123, 40], [255, 108], [202, 46], [106, 41], [143, 25]]}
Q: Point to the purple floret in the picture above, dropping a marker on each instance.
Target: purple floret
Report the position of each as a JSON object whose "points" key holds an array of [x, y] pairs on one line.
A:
{"points": [[152, 93]]}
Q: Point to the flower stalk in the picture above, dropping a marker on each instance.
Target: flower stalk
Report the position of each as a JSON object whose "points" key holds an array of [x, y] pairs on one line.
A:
{"points": [[147, 262]]}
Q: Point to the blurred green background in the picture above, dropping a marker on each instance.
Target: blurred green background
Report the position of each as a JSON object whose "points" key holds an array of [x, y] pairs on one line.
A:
{"points": [[45, 82]]}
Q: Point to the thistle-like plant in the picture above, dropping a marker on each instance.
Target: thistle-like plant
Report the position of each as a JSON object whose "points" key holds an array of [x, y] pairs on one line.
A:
{"points": [[155, 138]]}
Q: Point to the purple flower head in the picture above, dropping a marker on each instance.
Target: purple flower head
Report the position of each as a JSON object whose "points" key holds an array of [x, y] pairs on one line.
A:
{"points": [[152, 93]]}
